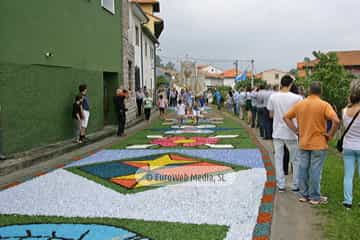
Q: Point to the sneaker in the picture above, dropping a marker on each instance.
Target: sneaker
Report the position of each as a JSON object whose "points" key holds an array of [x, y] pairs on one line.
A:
{"points": [[303, 199], [347, 206], [323, 200], [281, 190]]}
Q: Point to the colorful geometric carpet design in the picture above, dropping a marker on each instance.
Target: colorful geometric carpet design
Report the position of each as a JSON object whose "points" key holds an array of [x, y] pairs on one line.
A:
{"points": [[66, 232], [156, 170]]}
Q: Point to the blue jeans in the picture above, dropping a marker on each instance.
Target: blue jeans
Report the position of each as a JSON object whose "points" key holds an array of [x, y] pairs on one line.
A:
{"points": [[311, 163], [351, 157]]}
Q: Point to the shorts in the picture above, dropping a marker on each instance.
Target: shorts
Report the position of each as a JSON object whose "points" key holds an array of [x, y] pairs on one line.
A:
{"points": [[162, 110], [248, 105], [85, 120]]}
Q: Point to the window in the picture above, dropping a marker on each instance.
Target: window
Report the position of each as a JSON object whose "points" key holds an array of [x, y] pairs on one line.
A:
{"points": [[276, 76], [151, 52], [146, 49], [108, 5], [137, 37]]}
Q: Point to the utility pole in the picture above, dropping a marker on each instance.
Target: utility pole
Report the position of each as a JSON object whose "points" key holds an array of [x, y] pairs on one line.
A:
{"points": [[236, 63], [252, 73]]}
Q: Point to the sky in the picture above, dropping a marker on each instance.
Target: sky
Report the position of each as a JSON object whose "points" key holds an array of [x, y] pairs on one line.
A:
{"points": [[275, 33]]}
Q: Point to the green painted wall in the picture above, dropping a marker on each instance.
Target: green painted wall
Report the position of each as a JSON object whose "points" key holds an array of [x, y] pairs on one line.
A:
{"points": [[36, 92], [80, 33], [37, 103]]}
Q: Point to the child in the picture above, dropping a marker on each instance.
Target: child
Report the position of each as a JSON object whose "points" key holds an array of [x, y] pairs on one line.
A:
{"points": [[196, 113], [162, 105], [180, 111], [148, 102], [77, 116]]}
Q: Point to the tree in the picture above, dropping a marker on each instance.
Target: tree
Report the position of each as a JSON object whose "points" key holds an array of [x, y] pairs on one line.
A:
{"points": [[247, 83], [159, 61], [334, 77], [162, 81], [170, 65]]}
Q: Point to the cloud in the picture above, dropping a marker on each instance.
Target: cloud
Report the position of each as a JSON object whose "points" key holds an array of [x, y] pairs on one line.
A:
{"points": [[275, 33]]}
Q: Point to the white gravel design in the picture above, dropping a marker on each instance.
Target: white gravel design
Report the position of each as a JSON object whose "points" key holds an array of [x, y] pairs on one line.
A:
{"points": [[143, 146], [62, 193], [220, 146], [226, 136], [154, 136]]}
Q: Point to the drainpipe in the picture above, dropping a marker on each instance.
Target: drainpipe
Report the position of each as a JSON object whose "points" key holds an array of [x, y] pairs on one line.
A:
{"points": [[142, 60]]}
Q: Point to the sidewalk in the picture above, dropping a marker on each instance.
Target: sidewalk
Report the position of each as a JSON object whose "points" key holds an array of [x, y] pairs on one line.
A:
{"points": [[291, 219], [41, 160]]}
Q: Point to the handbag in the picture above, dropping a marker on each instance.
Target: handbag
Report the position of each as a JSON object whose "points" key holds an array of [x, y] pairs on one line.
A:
{"points": [[339, 145]]}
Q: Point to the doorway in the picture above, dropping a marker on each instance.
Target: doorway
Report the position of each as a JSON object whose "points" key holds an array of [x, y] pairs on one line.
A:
{"points": [[111, 80]]}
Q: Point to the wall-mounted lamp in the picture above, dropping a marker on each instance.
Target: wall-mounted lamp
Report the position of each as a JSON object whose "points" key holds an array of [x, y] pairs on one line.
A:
{"points": [[49, 54]]}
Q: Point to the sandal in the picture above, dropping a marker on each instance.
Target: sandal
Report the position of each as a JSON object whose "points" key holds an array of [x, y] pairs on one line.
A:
{"points": [[321, 201]]}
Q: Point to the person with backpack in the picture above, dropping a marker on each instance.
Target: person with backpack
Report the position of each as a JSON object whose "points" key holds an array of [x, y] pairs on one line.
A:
{"points": [[351, 142]]}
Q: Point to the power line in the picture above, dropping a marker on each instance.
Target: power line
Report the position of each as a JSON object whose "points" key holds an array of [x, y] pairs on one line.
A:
{"points": [[214, 60]]}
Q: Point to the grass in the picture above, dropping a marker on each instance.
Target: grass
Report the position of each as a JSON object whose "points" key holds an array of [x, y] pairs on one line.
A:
{"points": [[149, 229], [340, 223], [243, 141], [123, 190]]}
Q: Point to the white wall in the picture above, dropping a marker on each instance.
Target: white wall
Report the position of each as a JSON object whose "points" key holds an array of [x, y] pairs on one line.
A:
{"points": [[270, 76], [133, 22], [149, 63], [229, 82]]}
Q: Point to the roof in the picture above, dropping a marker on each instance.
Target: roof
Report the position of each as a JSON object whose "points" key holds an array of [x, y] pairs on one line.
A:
{"points": [[346, 58], [274, 70], [139, 13], [150, 34], [155, 3], [349, 58], [231, 73], [214, 75]]}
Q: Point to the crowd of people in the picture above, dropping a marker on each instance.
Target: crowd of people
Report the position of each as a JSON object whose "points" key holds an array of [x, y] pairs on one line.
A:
{"points": [[300, 126]]}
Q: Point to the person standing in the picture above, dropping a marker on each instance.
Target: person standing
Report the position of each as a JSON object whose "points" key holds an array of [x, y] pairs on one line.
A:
{"points": [[180, 112], [261, 109], [139, 100], [121, 110], [242, 100], [268, 122], [86, 111], [162, 105], [217, 96], [248, 106], [253, 96], [351, 143], [236, 102], [311, 115], [279, 104], [77, 116], [148, 104]]}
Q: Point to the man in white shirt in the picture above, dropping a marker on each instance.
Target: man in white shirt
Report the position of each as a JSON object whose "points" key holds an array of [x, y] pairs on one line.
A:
{"points": [[279, 104]]}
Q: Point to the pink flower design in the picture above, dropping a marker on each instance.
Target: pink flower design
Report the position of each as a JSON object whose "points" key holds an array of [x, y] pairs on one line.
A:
{"points": [[183, 141]]}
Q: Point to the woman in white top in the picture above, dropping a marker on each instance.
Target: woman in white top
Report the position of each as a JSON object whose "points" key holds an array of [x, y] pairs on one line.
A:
{"points": [[351, 144]]}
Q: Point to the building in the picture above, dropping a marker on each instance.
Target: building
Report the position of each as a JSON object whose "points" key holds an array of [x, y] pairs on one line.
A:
{"points": [[49, 48], [208, 69], [271, 76], [349, 59], [229, 77]]}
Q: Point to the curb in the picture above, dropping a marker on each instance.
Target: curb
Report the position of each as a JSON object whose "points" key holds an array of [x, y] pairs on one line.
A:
{"points": [[262, 230], [27, 159]]}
